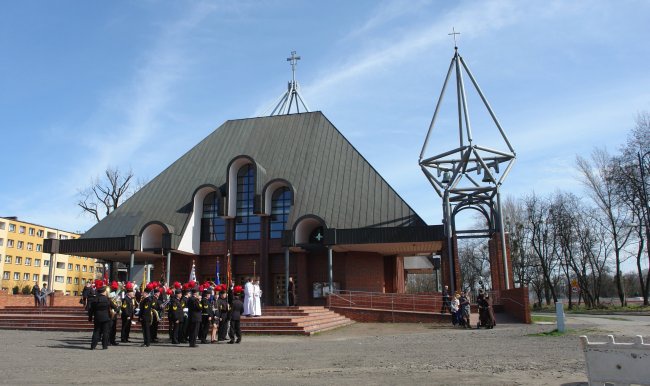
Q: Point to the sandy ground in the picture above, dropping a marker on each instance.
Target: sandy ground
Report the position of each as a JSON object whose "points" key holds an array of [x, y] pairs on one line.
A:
{"points": [[360, 354]]}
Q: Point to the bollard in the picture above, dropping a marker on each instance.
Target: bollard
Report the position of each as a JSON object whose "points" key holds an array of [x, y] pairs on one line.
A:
{"points": [[559, 316]]}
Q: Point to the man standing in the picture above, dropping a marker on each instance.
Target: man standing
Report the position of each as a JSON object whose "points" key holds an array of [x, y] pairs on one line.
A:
{"points": [[446, 300], [175, 315], [85, 294], [43, 295], [99, 315], [257, 299], [184, 332], [235, 317], [128, 310], [292, 292], [156, 312], [194, 313], [36, 291], [248, 297], [146, 316], [224, 315], [206, 316]]}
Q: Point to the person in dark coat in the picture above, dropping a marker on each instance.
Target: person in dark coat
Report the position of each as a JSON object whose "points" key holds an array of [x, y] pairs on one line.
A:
{"points": [[146, 316], [194, 314], [157, 312], [206, 316], [235, 317], [185, 323], [99, 314], [115, 315], [85, 294], [446, 300], [223, 311], [128, 311], [292, 292], [175, 316], [36, 291]]}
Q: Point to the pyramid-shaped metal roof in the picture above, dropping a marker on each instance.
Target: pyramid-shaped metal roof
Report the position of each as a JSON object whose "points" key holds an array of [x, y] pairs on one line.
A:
{"points": [[331, 179]]}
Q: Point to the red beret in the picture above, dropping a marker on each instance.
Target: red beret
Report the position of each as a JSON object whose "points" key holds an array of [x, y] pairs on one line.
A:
{"points": [[177, 285], [99, 283], [128, 286], [114, 285]]}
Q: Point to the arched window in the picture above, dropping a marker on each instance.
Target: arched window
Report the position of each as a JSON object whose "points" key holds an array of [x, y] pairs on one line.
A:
{"points": [[213, 227], [247, 225], [280, 208]]}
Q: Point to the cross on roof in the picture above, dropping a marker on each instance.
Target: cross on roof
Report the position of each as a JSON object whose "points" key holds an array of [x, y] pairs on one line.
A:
{"points": [[294, 61], [452, 33]]}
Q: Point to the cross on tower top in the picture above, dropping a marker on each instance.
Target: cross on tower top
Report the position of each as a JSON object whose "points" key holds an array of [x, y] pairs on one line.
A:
{"points": [[452, 33], [294, 61]]}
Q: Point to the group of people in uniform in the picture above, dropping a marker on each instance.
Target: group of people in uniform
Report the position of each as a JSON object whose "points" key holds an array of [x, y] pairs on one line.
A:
{"points": [[193, 311]]}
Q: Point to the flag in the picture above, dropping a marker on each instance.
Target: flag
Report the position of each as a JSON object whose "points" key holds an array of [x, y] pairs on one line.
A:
{"points": [[144, 277], [193, 272], [217, 280], [228, 273]]}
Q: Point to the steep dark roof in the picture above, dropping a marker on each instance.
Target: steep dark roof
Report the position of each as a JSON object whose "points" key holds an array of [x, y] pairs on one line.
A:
{"points": [[331, 179]]}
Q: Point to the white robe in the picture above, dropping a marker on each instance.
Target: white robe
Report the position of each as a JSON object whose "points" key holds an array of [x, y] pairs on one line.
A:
{"points": [[257, 300], [248, 298]]}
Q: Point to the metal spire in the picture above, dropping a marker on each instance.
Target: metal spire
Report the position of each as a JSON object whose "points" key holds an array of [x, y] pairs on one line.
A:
{"points": [[454, 33], [449, 172], [291, 98]]}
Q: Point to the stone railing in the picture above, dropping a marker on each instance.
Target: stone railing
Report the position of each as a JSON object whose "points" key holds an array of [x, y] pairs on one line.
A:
{"points": [[618, 363]]}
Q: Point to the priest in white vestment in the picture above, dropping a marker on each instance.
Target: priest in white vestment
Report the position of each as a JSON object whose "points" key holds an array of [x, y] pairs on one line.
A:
{"points": [[248, 297], [257, 299]]}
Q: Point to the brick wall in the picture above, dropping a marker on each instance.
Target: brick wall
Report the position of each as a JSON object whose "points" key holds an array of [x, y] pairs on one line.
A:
{"points": [[9, 300], [516, 304], [381, 316], [444, 264], [364, 272], [497, 270]]}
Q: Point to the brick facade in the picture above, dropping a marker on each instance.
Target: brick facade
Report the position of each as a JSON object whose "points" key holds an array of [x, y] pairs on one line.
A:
{"points": [[497, 270], [444, 265]]}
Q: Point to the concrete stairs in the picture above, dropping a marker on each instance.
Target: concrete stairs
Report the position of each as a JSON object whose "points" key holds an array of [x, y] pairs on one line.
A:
{"points": [[299, 320]]}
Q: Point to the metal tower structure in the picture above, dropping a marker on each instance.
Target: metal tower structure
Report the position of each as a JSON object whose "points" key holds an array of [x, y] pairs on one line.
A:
{"points": [[450, 172], [291, 98]]}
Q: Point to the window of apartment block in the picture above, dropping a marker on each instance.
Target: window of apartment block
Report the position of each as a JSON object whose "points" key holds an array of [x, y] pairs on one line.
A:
{"points": [[39, 247], [32, 231], [51, 235], [68, 280], [46, 263], [35, 277], [28, 261], [37, 262], [63, 237], [5, 275], [30, 246], [12, 227], [40, 233], [2, 225], [76, 267], [16, 275], [91, 269], [69, 266], [46, 278], [10, 243], [2, 242], [8, 259], [21, 229], [19, 260], [76, 280], [58, 279], [25, 276], [60, 265], [83, 281], [84, 268], [20, 244]]}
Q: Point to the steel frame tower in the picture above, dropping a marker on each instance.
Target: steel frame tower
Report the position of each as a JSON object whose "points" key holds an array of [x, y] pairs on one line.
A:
{"points": [[449, 172]]}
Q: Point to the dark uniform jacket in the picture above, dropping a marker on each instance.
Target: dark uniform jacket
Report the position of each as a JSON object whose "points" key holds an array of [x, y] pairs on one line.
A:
{"points": [[237, 309], [175, 311], [194, 309], [223, 309], [146, 309], [128, 307], [98, 310], [206, 307]]}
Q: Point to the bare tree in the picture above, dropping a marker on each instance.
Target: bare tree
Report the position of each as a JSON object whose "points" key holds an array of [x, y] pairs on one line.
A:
{"points": [[474, 263], [542, 241], [107, 193], [597, 178]]}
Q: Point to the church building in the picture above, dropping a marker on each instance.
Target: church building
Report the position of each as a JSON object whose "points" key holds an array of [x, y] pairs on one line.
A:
{"points": [[268, 197]]}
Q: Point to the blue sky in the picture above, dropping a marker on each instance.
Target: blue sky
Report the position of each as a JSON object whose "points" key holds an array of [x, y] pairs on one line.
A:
{"points": [[85, 85]]}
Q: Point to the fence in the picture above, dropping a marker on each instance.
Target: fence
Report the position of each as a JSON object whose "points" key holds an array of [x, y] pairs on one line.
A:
{"points": [[431, 302]]}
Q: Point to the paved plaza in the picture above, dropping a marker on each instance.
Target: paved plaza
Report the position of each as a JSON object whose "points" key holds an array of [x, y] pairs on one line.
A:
{"points": [[374, 354]]}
